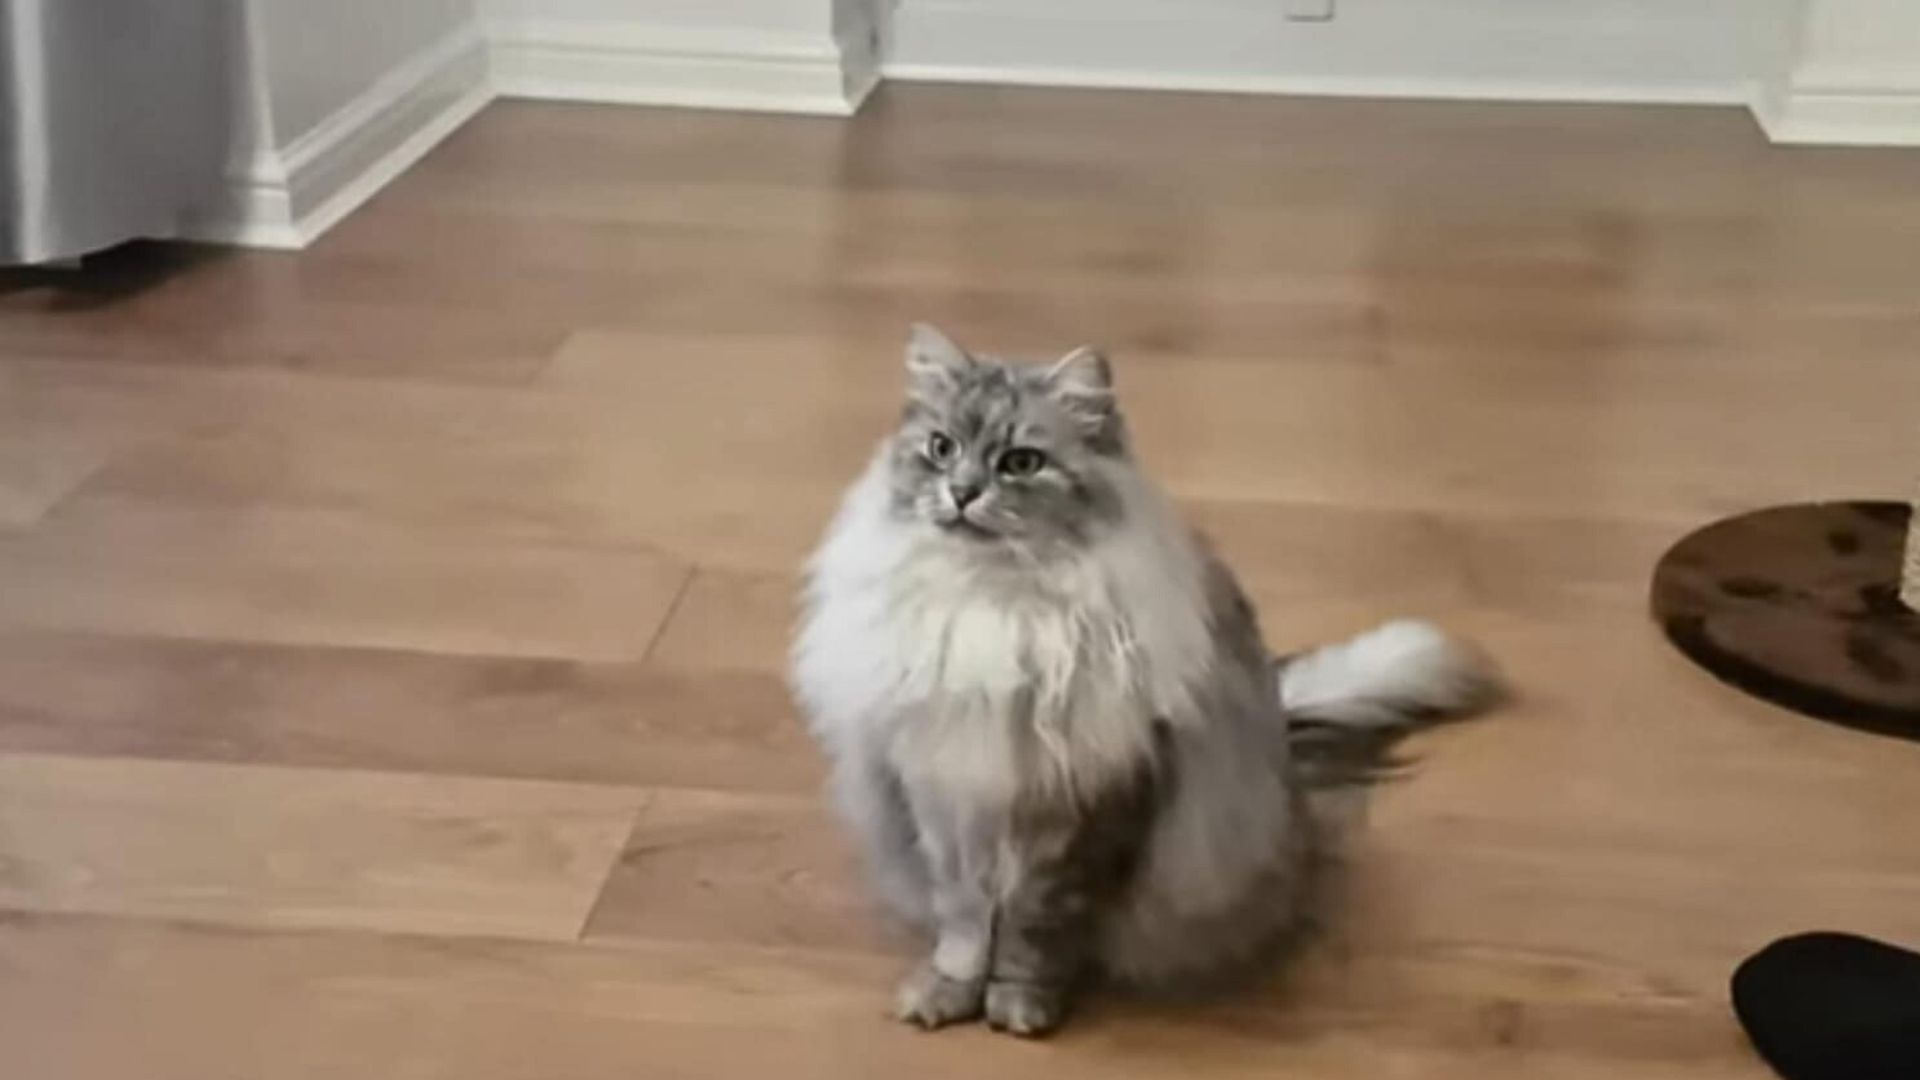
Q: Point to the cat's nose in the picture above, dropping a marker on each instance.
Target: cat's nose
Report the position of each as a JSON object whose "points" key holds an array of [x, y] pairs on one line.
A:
{"points": [[963, 492]]}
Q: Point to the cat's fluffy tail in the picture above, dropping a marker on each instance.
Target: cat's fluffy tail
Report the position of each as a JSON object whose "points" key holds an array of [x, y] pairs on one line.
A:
{"points": [[1347, 704]]}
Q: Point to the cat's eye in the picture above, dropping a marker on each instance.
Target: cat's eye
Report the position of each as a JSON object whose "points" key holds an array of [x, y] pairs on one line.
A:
{"points": [[1021, 461], [940, 447]]}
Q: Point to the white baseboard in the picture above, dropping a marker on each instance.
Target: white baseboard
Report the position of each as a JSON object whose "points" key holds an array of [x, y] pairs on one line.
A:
{"points": [[651, 65], [1628, 51], [288, 198], [1349, 86], [1811, 115]]}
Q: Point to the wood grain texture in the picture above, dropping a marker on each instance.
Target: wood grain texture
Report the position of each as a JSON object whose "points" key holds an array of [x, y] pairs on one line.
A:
{"points": [[113, 998], [400, 711], [366, 609], [724, 867], [289, 847], [39, 464], [302, 576]]}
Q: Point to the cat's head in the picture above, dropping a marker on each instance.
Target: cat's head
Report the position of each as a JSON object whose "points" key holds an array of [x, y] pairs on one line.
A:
{"points": [[992, 451]]}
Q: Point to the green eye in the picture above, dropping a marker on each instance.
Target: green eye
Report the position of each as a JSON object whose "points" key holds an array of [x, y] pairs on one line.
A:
{"points": [[1021, 461], [940, 447]]}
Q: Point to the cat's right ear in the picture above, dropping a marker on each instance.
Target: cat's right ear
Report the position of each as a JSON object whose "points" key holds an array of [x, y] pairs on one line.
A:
{"points": [[934, 360]]}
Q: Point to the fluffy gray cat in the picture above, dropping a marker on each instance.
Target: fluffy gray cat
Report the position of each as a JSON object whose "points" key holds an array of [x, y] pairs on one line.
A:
{"points": [[1052, 722]]}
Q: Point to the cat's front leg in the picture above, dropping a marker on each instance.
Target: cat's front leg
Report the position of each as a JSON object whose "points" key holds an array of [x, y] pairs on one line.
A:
{"points": [[1072, 862], [931, 999], [873, 803], [1039, 951], [949, 987]]}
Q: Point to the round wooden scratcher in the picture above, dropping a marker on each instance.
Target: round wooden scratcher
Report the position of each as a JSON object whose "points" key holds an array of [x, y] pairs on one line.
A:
{"points": [[1801, 605]]}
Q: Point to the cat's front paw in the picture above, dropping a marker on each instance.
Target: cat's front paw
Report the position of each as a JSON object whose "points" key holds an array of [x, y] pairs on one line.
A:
{"points": [[931, 1000], [1025, 1009]]}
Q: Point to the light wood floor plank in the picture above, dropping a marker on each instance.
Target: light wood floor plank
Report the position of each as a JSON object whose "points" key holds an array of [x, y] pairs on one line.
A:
{"points": [[298, 576], [39, 464], [79, 693], [739, 869], [290, 847], [197, 309], [109, 998]]}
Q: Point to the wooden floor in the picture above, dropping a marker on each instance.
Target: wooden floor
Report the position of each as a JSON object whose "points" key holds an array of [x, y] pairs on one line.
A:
{"points": [[390, 634]]}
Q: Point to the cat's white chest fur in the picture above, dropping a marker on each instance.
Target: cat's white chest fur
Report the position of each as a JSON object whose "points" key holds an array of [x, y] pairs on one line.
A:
{"points": [[991, 678]]}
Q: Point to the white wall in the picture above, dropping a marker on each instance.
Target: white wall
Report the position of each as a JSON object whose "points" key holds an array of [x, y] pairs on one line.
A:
{"points": [[852, 18], [1862, 43], [755, 16], [320, 54], [1653, 50]]}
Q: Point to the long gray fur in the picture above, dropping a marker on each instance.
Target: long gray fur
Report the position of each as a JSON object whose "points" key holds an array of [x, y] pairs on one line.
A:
{"points": [[1053, 723]]}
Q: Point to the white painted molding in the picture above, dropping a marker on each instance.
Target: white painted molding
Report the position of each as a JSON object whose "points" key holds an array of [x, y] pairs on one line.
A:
{"points": [[1349, 86], [287, 198], [1631, 51], [1840, 114], [651, 65], [1810, 116]]}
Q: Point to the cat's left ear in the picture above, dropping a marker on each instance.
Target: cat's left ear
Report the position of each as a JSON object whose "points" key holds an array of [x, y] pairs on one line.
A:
{"points": [[1082, 381], [934, 359]]}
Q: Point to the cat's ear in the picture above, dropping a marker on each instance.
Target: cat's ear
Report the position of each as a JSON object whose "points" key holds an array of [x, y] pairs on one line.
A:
{"points": [[1084, 372], [934, 359], [1082, 381]]}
